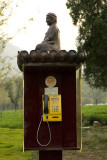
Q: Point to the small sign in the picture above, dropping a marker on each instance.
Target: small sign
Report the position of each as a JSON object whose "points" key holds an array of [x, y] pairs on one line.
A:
{"points": [[51, 91], [50, 81]]}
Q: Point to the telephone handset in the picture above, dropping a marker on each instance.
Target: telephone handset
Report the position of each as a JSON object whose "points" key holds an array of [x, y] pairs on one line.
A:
{"points": [[45, 104]]}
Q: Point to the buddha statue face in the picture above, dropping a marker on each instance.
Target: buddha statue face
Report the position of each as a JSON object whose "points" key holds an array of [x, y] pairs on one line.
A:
{"points": [[51, 18]]}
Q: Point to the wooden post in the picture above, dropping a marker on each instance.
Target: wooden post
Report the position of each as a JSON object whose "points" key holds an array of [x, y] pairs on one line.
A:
{"points": [[50, 155]]}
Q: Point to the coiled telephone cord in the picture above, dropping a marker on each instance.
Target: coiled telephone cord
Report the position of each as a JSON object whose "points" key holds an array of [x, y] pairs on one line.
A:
{"points": [[44, 145]]}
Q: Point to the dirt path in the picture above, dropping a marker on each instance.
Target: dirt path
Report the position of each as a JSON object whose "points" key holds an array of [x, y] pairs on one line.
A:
{"points": [[87, 155], [94, 146]]}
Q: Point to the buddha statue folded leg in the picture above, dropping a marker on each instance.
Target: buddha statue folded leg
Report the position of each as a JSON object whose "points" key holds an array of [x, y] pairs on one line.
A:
{"points": [[44, 46]]}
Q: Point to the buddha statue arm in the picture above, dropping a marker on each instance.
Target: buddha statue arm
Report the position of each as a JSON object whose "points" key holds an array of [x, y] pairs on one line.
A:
{"points": [[50, 35]]}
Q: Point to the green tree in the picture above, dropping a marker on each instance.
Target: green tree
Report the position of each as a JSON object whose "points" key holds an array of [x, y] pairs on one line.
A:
{"points": [[6, 11], [5, 61], [91, 18], [15, 90], [4, 68]]}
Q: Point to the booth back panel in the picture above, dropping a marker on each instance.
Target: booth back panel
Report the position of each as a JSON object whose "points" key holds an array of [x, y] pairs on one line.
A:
{"points": [[63, 134]]}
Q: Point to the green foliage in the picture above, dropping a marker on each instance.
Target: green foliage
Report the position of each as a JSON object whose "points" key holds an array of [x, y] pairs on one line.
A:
{"points": [[94, 113], [91, 17]]}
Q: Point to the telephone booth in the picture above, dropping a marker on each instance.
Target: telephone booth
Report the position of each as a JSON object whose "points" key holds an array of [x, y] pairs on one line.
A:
{"points": [[52, 102]]}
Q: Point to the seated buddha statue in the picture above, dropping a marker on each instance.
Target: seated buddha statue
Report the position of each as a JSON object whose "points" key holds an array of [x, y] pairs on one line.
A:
{"points": [[52, 39]]}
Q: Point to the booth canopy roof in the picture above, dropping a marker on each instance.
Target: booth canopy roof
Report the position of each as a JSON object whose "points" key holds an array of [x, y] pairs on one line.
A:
{"points": [[61, 59]]}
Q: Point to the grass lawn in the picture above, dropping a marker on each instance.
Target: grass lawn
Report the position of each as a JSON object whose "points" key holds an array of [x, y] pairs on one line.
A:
{"points": [[11, 145], [11, 119], [94, 145], [94, 113]]}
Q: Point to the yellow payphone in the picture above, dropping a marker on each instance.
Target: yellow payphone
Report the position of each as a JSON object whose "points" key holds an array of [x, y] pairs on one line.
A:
{"points": [[52, 110]]}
